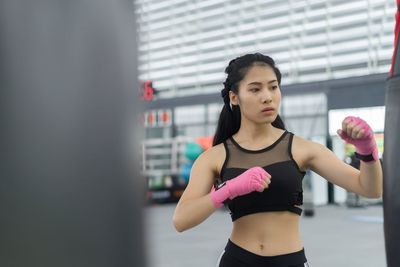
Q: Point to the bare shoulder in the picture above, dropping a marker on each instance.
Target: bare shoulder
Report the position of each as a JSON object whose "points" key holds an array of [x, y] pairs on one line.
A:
{"points": [[302, 151], [301, 142], [215, 156]]}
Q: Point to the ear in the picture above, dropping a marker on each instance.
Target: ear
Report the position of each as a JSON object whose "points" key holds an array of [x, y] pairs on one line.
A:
{"points": [[234, 98]]}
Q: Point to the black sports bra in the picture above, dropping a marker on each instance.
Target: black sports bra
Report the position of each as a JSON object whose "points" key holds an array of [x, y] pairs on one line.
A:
{"points": [[284, 191]]}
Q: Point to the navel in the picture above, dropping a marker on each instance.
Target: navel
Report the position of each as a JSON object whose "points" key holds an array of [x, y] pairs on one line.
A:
{"points": [[261, 246]]}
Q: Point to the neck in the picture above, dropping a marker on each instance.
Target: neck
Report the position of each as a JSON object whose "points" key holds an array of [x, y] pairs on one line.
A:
{"points": [[252, 131]]}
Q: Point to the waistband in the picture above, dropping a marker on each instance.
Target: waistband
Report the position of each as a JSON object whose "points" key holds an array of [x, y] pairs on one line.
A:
{"points": [[248, 257]]}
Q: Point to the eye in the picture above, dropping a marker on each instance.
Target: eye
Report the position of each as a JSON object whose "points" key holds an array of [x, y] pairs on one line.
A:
{"points": [[274, 87], [254, 89]]}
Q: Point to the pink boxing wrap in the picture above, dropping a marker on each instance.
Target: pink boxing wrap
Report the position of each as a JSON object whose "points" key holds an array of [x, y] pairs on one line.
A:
{"points": [[247, 182], [365, 145], [219, 196]]}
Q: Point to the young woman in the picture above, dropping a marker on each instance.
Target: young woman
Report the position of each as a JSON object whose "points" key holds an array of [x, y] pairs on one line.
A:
{"points": [[257, 168]]}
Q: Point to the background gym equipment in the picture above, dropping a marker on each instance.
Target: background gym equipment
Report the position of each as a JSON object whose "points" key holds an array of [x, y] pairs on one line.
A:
{"points": [[391, 159], [193, 151], [70, 189]]}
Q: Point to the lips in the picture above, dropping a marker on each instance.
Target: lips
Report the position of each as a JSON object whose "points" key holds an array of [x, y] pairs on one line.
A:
{"points": [[267, 109]]}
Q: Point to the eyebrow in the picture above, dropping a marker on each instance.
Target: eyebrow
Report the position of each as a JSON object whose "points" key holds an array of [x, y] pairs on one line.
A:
{"points": [[258, 83]]}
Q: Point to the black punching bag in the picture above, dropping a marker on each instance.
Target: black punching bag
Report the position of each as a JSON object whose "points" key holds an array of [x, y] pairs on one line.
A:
{"points": [[70, 193], [391, 158]]}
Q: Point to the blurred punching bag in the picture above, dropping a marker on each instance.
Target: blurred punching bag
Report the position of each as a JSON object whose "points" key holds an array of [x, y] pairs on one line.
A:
{"points": [[391, 158], [70, 193]]}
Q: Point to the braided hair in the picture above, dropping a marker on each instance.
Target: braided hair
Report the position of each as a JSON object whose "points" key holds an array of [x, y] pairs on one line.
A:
{"points": [[229, 119]]}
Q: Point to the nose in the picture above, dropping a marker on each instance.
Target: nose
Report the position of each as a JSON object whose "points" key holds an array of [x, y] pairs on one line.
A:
{"points": [[266, 96]]}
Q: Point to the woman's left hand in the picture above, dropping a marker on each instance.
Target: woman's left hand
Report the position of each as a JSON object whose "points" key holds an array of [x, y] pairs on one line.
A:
{"points": [[354, 128], [358, 133]]}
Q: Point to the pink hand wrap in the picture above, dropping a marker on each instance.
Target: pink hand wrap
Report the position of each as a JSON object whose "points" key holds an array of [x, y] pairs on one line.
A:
{"points": [[247, 182], [365, 145]]}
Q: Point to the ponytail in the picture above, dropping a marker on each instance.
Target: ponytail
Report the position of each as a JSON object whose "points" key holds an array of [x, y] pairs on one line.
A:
{"points": [[228, 123]]}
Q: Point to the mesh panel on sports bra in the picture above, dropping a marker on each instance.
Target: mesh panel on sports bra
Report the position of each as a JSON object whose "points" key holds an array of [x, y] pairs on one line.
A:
{"points": [[240, 157]]}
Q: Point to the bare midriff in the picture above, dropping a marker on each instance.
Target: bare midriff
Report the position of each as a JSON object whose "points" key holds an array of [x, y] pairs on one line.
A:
{"points": [[268, 233]]}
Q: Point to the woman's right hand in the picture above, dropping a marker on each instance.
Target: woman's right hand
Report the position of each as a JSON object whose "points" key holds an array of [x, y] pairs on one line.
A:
{"points": [[254, 179]]}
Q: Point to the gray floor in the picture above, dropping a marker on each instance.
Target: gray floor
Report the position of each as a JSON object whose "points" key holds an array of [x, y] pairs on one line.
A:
{"points": [[335, 236]]}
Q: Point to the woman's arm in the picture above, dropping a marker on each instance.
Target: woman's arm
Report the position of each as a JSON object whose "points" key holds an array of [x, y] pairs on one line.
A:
{"points": [[371, 178], [195, 204], [356, 131], [367, 181]]}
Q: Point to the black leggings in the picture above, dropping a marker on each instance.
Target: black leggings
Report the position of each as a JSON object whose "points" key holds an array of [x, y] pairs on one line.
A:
{"points": [[235, 256]]}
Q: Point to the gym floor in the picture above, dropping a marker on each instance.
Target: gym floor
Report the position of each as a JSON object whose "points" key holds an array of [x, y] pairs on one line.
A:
{"points": [[335, 236]]}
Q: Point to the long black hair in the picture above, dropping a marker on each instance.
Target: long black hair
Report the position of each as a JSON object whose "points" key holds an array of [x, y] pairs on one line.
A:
{"points": [[229, 119]]}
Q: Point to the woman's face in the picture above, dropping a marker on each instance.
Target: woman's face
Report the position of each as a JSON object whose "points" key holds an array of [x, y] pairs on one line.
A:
{"points": [[258, 90]]}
